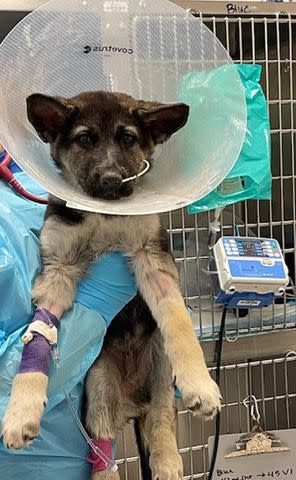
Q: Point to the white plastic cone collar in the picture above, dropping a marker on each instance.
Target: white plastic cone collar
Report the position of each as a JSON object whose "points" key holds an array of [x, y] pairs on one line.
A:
{"points": [[143, 48]]}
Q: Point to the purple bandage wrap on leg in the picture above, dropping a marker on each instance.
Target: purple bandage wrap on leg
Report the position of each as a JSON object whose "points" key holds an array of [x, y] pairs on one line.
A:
{"points": [[36, 354]]}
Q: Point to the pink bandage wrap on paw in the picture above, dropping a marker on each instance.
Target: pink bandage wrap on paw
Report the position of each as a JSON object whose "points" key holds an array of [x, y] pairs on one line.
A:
{"points": [[98, 464]]}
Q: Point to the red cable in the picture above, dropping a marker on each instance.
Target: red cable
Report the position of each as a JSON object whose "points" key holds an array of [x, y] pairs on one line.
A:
{"points": [[17, 186], [7, 175], [6, 161]]}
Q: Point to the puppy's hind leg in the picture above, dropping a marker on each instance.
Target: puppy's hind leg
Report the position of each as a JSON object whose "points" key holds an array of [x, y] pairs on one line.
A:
{"points": [[105, 475], [104, 412], [165, 460], [160, 425]]}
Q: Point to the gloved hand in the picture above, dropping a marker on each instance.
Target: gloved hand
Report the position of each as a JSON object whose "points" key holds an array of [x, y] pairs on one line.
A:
{"points": [[108, 287]]}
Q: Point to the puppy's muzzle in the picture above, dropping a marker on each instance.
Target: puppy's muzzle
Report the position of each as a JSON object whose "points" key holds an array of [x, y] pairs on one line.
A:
{"points": [[111, 180]]}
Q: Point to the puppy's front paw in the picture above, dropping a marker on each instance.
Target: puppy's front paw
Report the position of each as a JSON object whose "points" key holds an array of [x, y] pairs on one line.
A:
{"points": [[203, 398], [166, 465], [21, 421]]}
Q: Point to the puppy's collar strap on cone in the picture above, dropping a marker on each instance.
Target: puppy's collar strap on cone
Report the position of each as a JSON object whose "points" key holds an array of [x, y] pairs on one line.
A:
{"points": [[134, 177]]}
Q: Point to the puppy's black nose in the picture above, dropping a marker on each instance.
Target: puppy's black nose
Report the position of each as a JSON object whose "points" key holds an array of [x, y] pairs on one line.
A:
{"points": [[110, 180]]}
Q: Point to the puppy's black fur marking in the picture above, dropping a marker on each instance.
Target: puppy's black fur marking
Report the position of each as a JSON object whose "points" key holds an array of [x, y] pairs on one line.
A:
{"points": [[126, 321], [68, 215], [143, 452], [164, 240], [125, 325]]}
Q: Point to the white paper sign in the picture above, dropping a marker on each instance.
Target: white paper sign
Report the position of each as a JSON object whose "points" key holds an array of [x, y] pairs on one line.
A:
{"points": [[270, 466]]}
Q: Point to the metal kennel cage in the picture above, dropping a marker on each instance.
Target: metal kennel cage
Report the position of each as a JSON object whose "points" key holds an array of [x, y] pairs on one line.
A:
{"points": [[256, 33], [255, 359], [268, 38], [270, 380]]}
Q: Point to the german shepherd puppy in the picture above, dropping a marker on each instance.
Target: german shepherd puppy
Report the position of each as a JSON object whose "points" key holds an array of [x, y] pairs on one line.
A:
{"points": [[97, 140]]}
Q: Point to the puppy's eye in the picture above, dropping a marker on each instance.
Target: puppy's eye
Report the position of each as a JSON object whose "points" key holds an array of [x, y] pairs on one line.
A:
{"points": [[127, 139], [83, 139]]}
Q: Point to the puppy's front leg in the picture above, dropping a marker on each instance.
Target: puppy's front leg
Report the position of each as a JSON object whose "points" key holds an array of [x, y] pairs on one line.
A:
{"points": [[65, 258], [157, 279]]}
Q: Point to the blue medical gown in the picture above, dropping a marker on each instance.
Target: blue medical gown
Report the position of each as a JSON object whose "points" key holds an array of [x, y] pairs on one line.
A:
{"points": [[60, 450]]}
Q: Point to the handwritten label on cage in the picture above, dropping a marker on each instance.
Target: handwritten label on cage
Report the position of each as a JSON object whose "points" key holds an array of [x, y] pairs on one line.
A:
{"points": [[234, 8], [278, 465]]}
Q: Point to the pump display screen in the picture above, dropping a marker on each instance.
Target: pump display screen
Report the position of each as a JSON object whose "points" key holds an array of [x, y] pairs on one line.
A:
{"points": [[248, 247]]}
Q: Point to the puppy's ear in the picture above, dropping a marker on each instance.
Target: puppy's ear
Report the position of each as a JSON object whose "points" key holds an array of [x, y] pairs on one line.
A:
{"points": [[163, 119], [48, 115]]}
